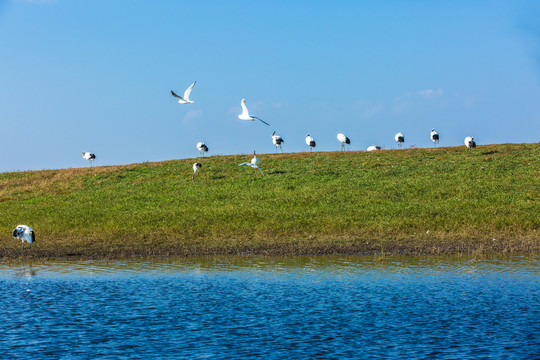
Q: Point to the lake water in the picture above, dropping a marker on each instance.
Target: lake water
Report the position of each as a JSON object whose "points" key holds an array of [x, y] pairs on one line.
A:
{"points": [[296, 308]]}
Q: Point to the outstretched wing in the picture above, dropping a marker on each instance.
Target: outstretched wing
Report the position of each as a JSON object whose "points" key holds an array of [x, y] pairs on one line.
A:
{"points": [[245, 112], [264, 122], [245, 164], [188, 91], [178, 96]]}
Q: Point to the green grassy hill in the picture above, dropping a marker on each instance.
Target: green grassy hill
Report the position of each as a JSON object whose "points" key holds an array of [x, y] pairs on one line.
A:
{"points": [[435, 201]]}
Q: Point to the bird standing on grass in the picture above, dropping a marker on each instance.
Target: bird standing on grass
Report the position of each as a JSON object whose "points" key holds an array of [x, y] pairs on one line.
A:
{"points": [[277, 141], [400, 139], [88, 156], [245, 114], [24, 233], [202, 147], [185, 99], [196, 167], [254, 163], [343, 140], [434, 137], [469, 143], [310, 142], [373, 148]]}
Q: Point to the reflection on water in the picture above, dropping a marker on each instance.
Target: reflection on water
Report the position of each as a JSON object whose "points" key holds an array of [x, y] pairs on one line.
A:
{"points": [[288, 266], [302, 307]]}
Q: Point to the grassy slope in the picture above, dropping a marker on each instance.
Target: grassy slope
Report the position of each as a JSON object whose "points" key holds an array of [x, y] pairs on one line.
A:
{"points": [[353, 202]]}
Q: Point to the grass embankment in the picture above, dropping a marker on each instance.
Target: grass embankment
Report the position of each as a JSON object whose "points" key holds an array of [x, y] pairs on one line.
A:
{"points": [[414, 201]]}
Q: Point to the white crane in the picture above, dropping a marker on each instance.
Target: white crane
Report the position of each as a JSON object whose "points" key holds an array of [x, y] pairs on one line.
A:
{"points": [[400, 139], [343, 140], [202, 147], [254, 163], [24, 233], [196, 167], [185, 99], [434, 137], [245, 114], [277, 141], [88, 156], [310, 142], [469, 142], [373, 148]]}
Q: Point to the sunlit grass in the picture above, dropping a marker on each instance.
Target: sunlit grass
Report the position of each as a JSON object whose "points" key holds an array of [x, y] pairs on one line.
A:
{"points": [[408, 201]]}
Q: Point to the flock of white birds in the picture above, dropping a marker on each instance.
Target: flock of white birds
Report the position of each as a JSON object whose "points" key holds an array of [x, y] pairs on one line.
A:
{"points": [[26, 234]]}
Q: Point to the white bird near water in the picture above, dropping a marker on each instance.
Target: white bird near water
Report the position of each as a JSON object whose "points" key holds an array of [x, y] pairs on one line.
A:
{"points": [[277, 141], [196, 167], [24, 233], [202, 147], [469, 142], [400, 139], [373, 148], [185, 99], [245, 114], [310, 142], [254, 163], [434, 137], [343, 140], [88, 156]]}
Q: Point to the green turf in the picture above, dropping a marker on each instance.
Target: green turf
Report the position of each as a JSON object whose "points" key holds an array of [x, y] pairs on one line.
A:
{"points": [[328, 202]]}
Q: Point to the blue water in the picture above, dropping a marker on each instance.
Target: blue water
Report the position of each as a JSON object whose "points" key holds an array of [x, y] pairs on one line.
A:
{"points": [[297, 308]]}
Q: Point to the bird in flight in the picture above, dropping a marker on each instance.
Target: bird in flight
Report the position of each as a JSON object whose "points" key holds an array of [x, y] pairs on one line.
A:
{"points": [[245, 114], [185, 99]]}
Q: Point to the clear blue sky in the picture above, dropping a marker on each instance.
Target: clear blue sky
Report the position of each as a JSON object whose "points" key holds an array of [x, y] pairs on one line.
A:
{"points": [[93, 75]]}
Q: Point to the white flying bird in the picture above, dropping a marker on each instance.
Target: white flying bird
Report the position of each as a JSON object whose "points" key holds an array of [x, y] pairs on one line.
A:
{"points": [[434, 137], [373, 148], [88, 156], [24, 233], [277, 140], [254, 163], [196, 167], [343, 140], [469, 142], [400, 139], [202, 147], [185, 99], [245, 114], [310, 142]]}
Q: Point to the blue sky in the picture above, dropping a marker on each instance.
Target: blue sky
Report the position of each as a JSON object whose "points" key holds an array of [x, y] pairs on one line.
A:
{"points": [[94, 75]]}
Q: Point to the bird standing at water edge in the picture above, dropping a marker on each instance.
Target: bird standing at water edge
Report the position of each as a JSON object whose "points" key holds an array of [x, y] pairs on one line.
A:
{"points": [[88, 156], [277, 141], [202, 147], [24, 233], [196, 167], [343, 140], [310, 142], [245, 114], [400, 139], [185, 99], [434, 137]]}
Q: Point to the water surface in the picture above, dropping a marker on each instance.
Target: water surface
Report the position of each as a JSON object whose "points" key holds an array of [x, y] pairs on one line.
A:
{"points": [[300, 308]]}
